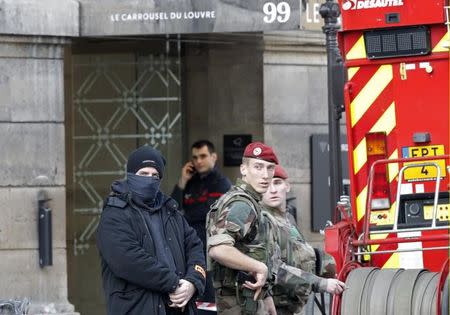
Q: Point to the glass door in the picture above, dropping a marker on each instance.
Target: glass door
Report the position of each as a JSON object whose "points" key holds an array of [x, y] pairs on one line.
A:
{"points": [[119, 101]]}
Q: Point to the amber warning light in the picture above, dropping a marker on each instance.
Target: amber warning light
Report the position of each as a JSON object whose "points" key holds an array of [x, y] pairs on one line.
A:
{"points": [[376, 150]]}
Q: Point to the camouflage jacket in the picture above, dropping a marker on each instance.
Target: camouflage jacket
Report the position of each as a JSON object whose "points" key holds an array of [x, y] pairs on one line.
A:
{"points": [[294, 268], [235, 220], [295, 251], [293, 247]]}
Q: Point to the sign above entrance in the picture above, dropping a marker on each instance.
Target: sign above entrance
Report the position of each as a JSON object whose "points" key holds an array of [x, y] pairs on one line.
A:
{"points": [[118, 17], [233, 148]]}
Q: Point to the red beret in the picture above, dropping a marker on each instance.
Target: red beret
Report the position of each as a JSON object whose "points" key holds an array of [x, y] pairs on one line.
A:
{"points": [[280, 172], [258, 150]]}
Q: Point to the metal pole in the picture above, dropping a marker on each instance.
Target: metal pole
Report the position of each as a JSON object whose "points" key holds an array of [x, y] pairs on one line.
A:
{"points": [[44, 230], [335, 73]]}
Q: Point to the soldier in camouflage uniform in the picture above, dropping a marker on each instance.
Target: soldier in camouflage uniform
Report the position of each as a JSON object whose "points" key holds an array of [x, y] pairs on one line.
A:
{"points": [[237, 250], [295, 276]]}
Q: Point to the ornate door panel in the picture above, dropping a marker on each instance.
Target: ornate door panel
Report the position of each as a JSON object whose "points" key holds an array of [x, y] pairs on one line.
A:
{"points": [[119, 102]]}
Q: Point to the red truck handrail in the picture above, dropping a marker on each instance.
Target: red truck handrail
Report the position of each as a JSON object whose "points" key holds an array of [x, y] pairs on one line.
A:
{"points": [[366, 241]]}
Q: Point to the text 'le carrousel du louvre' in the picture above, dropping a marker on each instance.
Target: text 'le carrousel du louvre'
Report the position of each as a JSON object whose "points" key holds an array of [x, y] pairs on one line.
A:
{"points": [[192, 16], [158, 16]]}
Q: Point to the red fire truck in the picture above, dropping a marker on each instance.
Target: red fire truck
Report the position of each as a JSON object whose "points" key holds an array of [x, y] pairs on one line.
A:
{"points": [[391, 244]]}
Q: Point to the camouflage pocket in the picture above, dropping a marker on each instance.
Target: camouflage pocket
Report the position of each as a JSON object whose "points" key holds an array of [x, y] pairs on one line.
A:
{"points": [[248, 305], [229, 279]]}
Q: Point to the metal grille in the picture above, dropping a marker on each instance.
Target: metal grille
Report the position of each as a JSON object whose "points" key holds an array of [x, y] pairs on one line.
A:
{"points": [[397, 42], [121, 101], [373, 44]]}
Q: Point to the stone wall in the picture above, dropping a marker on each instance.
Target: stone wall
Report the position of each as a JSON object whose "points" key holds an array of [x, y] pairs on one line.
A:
{"points": [[223, 93], [32, 145], [295, 107]]}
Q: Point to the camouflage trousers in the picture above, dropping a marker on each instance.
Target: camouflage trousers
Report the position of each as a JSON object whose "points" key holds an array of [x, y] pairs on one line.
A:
{"points": [[228, 305]]}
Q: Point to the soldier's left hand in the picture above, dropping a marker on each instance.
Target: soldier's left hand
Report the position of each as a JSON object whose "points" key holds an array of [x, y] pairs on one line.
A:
{"points": [[182, 294], [334, 286], [261, 277]]}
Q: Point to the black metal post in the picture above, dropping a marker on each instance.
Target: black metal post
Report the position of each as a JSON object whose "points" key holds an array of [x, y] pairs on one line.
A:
{"points": [[335, 73], [45, 230]]}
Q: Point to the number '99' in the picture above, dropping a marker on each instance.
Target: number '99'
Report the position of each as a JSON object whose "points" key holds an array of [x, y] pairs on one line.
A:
{"points": [[280, 12]]}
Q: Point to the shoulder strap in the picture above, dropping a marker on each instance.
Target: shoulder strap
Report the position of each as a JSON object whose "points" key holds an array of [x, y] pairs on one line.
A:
{"points": [[273, 230], [271, 238], [237, 193]]}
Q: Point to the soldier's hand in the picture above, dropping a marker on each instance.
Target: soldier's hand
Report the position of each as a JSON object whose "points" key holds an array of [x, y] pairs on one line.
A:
{"points": [[261, 276], [334, 286], [187, 172]]}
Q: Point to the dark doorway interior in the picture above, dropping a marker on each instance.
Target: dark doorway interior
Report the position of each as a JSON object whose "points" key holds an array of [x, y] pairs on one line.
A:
{"points": [[119, 96]]}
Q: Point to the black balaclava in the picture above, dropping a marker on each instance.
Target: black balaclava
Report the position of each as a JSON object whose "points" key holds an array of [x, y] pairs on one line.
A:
{"points": [[145, 189]]}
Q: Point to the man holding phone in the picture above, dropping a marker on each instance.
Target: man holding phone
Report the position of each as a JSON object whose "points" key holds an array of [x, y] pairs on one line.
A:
{"points": [[199, 186]]}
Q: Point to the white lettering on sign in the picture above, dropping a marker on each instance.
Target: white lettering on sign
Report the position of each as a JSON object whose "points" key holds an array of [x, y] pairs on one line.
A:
{"points": [[280, 12], [370, 4], [158, 16], [198, 15], [312, 14]]}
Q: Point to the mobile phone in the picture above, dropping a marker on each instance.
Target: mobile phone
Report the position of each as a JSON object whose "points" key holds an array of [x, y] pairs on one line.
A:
{"points": [[192, 170]]}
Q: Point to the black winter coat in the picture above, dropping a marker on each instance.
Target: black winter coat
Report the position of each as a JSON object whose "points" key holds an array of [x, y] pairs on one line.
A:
{"points": [[134, 280]]}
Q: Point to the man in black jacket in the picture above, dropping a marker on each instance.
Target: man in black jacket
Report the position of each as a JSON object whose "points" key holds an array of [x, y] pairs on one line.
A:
{"points": [[199, 186], [152, 260]]}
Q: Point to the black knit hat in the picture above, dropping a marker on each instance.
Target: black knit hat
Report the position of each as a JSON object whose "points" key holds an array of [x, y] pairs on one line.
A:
{"points": [[146, 156]]}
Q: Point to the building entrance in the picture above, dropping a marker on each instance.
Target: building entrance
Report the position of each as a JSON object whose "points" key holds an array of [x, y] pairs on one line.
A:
{"points": [[117, 99]]}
